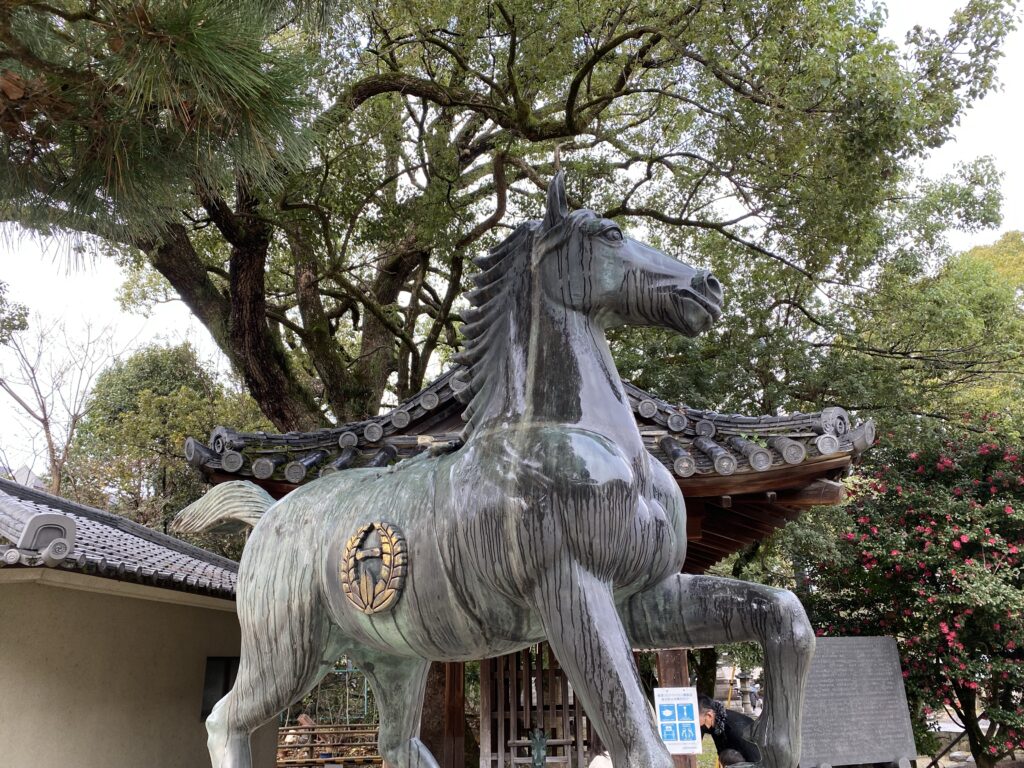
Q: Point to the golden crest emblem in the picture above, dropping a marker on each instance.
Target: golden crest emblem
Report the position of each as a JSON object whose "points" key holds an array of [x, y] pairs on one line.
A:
{"points": [[373, 567]]}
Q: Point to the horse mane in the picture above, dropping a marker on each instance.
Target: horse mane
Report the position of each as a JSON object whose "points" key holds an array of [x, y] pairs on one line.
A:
{"points": [[485, 329]]}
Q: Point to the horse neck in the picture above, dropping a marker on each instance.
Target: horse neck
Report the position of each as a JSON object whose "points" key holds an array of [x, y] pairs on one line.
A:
{"points": [[558, 369]]}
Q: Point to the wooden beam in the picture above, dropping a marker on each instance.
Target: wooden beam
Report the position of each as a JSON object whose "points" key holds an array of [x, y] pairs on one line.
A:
{"points": [[699, 559], [818, 493], [770, 515], [726, 544], [694, 525], [784, 477], [454, 743], [726, 524]]}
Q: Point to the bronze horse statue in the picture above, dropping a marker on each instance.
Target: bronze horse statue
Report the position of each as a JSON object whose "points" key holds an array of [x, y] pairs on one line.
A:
{"points": [[552, 522]]}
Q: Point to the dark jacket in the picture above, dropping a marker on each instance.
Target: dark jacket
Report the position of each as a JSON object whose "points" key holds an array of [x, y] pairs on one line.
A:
{"points": [[732, 731]]}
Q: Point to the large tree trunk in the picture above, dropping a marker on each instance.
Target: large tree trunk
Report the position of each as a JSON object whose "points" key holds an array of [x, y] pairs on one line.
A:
{"points": [[262, 359], [239, 324], [432, 720], [705, 665], [968, 711], [377, 353], [317, 336]]}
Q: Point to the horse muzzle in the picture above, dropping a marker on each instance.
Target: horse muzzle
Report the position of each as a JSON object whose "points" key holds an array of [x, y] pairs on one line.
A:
{"points": [[706, 285]]}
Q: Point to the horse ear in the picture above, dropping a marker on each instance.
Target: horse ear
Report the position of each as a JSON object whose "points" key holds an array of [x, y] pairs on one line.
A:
{"points": [[558, 208]]}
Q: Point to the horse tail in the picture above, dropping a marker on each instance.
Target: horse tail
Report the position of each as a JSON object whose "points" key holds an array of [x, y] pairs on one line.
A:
{"points": [[227, 507]]}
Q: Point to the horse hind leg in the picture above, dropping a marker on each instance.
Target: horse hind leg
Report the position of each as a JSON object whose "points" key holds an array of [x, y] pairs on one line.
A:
{"points": [[693, 611], [288, 645], [398, 684]]}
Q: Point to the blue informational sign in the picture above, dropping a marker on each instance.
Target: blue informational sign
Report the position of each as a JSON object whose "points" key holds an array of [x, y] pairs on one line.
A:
{"points": [[677, 720]]}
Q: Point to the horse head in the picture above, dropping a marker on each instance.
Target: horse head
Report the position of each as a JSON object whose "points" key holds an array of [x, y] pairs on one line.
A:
{"points": [[586, 263]]}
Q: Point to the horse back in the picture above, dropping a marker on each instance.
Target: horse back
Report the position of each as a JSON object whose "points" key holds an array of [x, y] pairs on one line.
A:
{"points": [[350, 513]]}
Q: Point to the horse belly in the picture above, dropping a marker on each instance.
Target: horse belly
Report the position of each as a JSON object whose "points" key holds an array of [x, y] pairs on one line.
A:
{"points": [[427, 617]]}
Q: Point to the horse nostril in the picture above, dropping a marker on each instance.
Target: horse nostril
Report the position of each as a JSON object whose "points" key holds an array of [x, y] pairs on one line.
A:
{"points": [[707, 285]]}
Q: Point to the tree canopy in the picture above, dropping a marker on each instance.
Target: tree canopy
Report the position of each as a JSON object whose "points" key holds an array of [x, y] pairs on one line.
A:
{"points": [[312, 192], [128, 453]]}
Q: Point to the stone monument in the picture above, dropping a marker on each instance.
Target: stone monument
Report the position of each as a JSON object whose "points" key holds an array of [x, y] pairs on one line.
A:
{"points": [[856, 708]]}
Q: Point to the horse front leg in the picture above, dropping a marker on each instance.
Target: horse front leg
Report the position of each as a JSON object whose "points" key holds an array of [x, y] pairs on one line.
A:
{"points": [[583, 627], [696, 611]]}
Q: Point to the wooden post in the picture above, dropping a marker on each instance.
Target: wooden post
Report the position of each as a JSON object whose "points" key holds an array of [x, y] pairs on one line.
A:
{"points": [[486, 712], [673, 671], [454, 742]]}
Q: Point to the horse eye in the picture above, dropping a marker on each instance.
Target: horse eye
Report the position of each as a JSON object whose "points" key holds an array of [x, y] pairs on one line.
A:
{"points": [[614, 234]]}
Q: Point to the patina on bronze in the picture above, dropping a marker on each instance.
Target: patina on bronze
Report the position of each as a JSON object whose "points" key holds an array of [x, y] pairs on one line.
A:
{"points": [[551, 522]]}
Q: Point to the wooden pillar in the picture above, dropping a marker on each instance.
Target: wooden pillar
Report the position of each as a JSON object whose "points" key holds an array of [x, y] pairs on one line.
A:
{"points": [[453, 751], [672, 672]]}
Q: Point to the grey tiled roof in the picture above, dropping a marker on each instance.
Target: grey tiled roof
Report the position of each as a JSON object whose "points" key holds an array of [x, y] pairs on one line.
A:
{"points": [[111, 546], [694, 444]]}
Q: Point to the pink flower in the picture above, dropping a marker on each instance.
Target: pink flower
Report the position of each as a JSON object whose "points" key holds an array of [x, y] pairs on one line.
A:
{"points": [[956, 544]]}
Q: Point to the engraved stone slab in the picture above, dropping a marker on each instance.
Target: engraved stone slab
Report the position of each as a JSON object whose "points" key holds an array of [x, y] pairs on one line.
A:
{"points": [[855, 707]]}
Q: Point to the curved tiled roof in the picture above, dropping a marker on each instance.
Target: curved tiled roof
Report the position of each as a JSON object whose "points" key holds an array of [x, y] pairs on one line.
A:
{"points": [[104, 544], [696, 445]]}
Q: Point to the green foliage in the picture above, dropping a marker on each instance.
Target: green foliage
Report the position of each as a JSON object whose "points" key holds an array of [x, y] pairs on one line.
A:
{"points": [[776, 144], [13, 317], [114, 112], [128, 455], [916, 337], [1006, 256], [940, 344], [931, 554]]}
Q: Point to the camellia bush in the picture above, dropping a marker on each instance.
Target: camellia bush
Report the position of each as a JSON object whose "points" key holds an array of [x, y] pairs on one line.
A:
{"points": [[932, 554]]}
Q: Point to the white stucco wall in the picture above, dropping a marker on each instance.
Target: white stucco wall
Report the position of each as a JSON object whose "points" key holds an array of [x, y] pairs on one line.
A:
{"points": [[98, 680]]}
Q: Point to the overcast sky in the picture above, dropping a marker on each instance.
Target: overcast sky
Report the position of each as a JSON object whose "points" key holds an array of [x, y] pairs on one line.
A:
{"points": [[40, 275]]}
